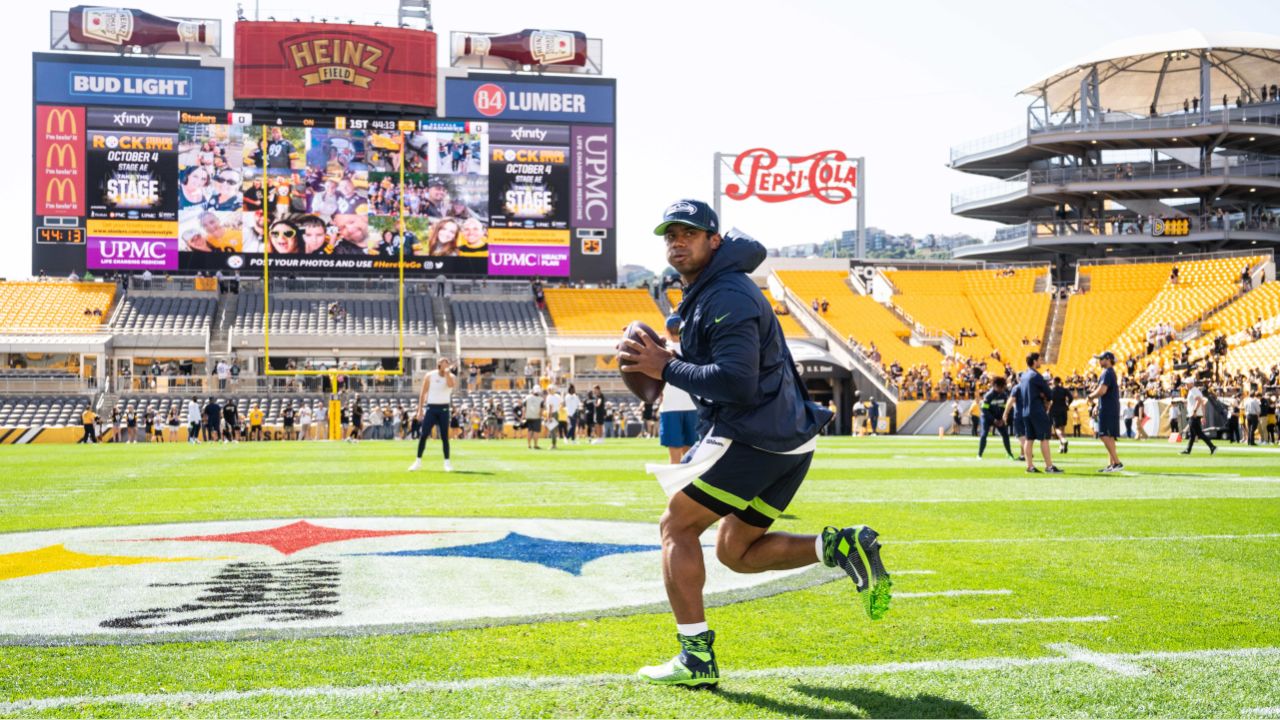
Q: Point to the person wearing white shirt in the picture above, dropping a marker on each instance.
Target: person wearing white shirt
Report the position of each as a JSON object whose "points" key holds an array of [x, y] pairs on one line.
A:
{"points": [[572, 403], [375, 423], [194, 417], [322, 422], [553, 404], [433, 409], [1196, 403], [533, 418], [1252, 410], [304, 419], [677, 415]]}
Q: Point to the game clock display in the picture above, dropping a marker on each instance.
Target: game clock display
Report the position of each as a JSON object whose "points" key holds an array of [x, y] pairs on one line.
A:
{"points": [[60, 235]]}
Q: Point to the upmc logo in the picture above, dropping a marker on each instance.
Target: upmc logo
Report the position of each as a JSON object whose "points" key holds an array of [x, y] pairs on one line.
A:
{"points": [[132, 253], [59, 145], [490, 100]]}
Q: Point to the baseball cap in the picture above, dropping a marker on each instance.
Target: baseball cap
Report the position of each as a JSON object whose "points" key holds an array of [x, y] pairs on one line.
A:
{"points": [[1105, 355], [689, 212]]}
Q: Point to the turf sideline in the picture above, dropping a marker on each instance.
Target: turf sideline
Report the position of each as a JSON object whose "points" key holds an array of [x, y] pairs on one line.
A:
{"points": [[1068, 654]]}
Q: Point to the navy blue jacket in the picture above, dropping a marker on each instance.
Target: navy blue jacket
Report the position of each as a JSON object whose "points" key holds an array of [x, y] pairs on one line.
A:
{"points": [[734, 360], [1032, 393]]}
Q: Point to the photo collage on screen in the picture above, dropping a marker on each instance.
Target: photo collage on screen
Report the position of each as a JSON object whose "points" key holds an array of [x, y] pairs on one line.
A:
{"points": [[445, 193]]}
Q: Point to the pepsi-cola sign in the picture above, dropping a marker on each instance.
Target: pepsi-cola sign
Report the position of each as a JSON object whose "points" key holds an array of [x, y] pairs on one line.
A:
{"points": [[507, 99], [829, 175]]}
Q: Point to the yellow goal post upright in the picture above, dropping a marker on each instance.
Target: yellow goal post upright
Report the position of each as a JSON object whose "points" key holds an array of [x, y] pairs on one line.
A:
{"points": [[335, 405]]}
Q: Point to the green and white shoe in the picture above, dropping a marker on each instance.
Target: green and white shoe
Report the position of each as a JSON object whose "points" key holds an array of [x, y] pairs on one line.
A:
{"points": [[695, 666], [856, 551]]}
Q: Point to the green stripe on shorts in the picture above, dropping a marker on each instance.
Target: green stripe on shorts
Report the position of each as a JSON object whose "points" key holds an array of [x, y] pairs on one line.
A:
{"points": [[723, 496], [765, 509]]}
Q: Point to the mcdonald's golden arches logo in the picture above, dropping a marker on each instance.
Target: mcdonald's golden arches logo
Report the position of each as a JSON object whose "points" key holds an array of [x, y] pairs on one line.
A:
{"points": [[64, 153], [66, 119], [65, 187]]}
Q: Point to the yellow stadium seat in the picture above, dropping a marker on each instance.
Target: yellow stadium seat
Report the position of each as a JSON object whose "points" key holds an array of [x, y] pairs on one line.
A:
{"points": [[54, 306], [600, 311]]}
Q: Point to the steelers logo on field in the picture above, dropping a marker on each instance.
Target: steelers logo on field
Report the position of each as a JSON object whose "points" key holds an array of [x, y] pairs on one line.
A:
{"points": [[272, 578]]}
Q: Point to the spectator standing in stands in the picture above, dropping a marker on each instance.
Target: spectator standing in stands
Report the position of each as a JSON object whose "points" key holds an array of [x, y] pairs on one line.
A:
{"points": [[212, 420], [88, 417], [224, 373], [532, 419], [473, 375], [193, 421], [1196, 403], [231, 421], [255, 423], [1107, 393], [434, 403], [528, 376]]}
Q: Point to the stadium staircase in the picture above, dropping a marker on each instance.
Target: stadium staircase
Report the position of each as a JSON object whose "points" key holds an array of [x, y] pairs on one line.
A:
{"points": [[1053, 330], [224, 316]]}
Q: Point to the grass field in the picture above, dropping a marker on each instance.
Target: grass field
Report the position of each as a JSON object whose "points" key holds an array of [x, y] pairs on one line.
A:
{"points": [[1151, 593]]}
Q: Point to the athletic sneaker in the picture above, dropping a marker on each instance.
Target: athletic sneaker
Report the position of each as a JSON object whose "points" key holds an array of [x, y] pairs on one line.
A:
{"points": [[695, 666], [863, 567], [1117, 467], [417, 465], [1053, 470], [447, 466], [1033, 470]]}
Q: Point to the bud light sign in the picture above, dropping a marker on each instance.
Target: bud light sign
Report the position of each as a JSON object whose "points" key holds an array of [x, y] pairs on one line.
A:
{"points": [[529, 260], [132, 253]]}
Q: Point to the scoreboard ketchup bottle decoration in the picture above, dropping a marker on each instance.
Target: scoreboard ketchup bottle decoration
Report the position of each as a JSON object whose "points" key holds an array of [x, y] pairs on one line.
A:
{"points": [[528, 47], [92, 25]]}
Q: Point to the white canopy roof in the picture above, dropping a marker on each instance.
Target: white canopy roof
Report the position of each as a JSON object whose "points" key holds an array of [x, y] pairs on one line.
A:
{"points": [[1129, 71]]}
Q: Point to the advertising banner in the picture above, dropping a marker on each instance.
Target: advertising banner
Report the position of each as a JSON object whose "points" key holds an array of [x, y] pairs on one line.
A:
{"points": [[335, 63], [529, 260], [132, 253], [60, 161], [529, 181], [504, 98], [69, 79], [593, 163], [133, 174]]}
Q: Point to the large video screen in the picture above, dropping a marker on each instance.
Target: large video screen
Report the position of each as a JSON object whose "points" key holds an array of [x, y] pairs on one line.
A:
{"points": [[169, 191]]}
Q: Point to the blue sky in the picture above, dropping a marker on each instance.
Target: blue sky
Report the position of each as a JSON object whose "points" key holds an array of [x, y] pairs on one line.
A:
{"points": [[898, 83]]}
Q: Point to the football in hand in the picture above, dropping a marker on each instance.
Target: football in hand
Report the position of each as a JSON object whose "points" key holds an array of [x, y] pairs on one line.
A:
{"points": [[640, 385]]}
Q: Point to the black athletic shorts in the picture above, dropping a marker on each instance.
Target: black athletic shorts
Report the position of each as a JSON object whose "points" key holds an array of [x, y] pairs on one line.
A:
{"points": [[533, 425], [753, 484], [1037, 427]]}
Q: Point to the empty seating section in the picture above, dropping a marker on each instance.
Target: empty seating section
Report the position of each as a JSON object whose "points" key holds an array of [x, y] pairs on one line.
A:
{"points": [[356, 316], [165, 315], [57, 306], [860, 317], [790, 326], [674, 296], [1001, 306], [1125, 301], [41, 411], [1261, 354], [496, 317], [599, 311]]}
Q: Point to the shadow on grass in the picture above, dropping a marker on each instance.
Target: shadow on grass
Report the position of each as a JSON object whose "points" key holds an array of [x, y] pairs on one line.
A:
{"points": [[854, 702]]}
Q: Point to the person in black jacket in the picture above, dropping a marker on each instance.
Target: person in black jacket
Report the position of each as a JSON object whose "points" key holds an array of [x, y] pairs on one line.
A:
{"points": [[758, 431]]}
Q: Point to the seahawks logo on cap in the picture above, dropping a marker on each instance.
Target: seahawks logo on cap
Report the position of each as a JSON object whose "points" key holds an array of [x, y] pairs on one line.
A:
{"points": [[682, 207]]}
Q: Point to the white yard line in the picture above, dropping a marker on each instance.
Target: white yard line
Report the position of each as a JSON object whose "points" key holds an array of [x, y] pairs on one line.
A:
{"points": [[1030, 620], [1070, 654], [949, 593], [1083, 538], [1110, 663], [1262, 712]]}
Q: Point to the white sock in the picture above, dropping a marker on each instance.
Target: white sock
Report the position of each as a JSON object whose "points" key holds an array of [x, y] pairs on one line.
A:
{"points": [[817, 546], [692, 629]]}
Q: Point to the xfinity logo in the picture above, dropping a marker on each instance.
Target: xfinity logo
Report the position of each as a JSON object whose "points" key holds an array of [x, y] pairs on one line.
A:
{"points": [[528, 133], [127, 119]]}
